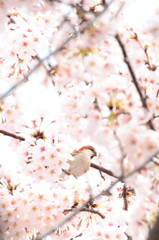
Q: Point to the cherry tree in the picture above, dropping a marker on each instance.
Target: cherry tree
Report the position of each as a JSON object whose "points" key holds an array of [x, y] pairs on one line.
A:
{"points": [[77, 73]]}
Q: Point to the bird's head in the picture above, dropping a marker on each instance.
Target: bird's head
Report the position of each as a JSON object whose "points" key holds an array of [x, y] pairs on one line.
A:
{"points": [[91, 150]]}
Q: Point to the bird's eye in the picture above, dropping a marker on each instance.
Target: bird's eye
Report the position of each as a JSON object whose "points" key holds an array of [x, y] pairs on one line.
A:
{"points": [[93, 150]]}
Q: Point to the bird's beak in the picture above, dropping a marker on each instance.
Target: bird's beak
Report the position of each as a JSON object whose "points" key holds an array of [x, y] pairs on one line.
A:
{"points": [[95, 154]]}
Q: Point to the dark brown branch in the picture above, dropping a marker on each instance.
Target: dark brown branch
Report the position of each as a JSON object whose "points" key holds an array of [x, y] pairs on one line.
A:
{"points": [[125, 198], [101, 169], [79, 235], [126, 192], [104, 4], [133, 78], [155, 162], [92, 211], [96, 105], [128, 237], [154, 232], [12, 135]]}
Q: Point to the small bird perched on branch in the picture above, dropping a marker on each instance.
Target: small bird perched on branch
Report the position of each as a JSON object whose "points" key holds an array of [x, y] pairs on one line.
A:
{"points": [[81, 162]]}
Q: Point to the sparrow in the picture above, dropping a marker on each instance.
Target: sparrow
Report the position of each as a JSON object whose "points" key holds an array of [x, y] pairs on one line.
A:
{"points": [[81, 162]]}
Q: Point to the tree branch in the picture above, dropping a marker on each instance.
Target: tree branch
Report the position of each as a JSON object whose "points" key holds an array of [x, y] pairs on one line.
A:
{"points": [[147, 62], [154, 232], [86, 210], [96, 105], [133, 78], [104, 170], [92, 211], [125, 197], [12, 135]]}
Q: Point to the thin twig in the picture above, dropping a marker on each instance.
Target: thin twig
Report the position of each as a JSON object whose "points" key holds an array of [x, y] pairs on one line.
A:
{"points": [[79, 235], [92, 211], [86, 210], [133, 78], [145, 51], [12, 135], [122, 153], [102, 175]]}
